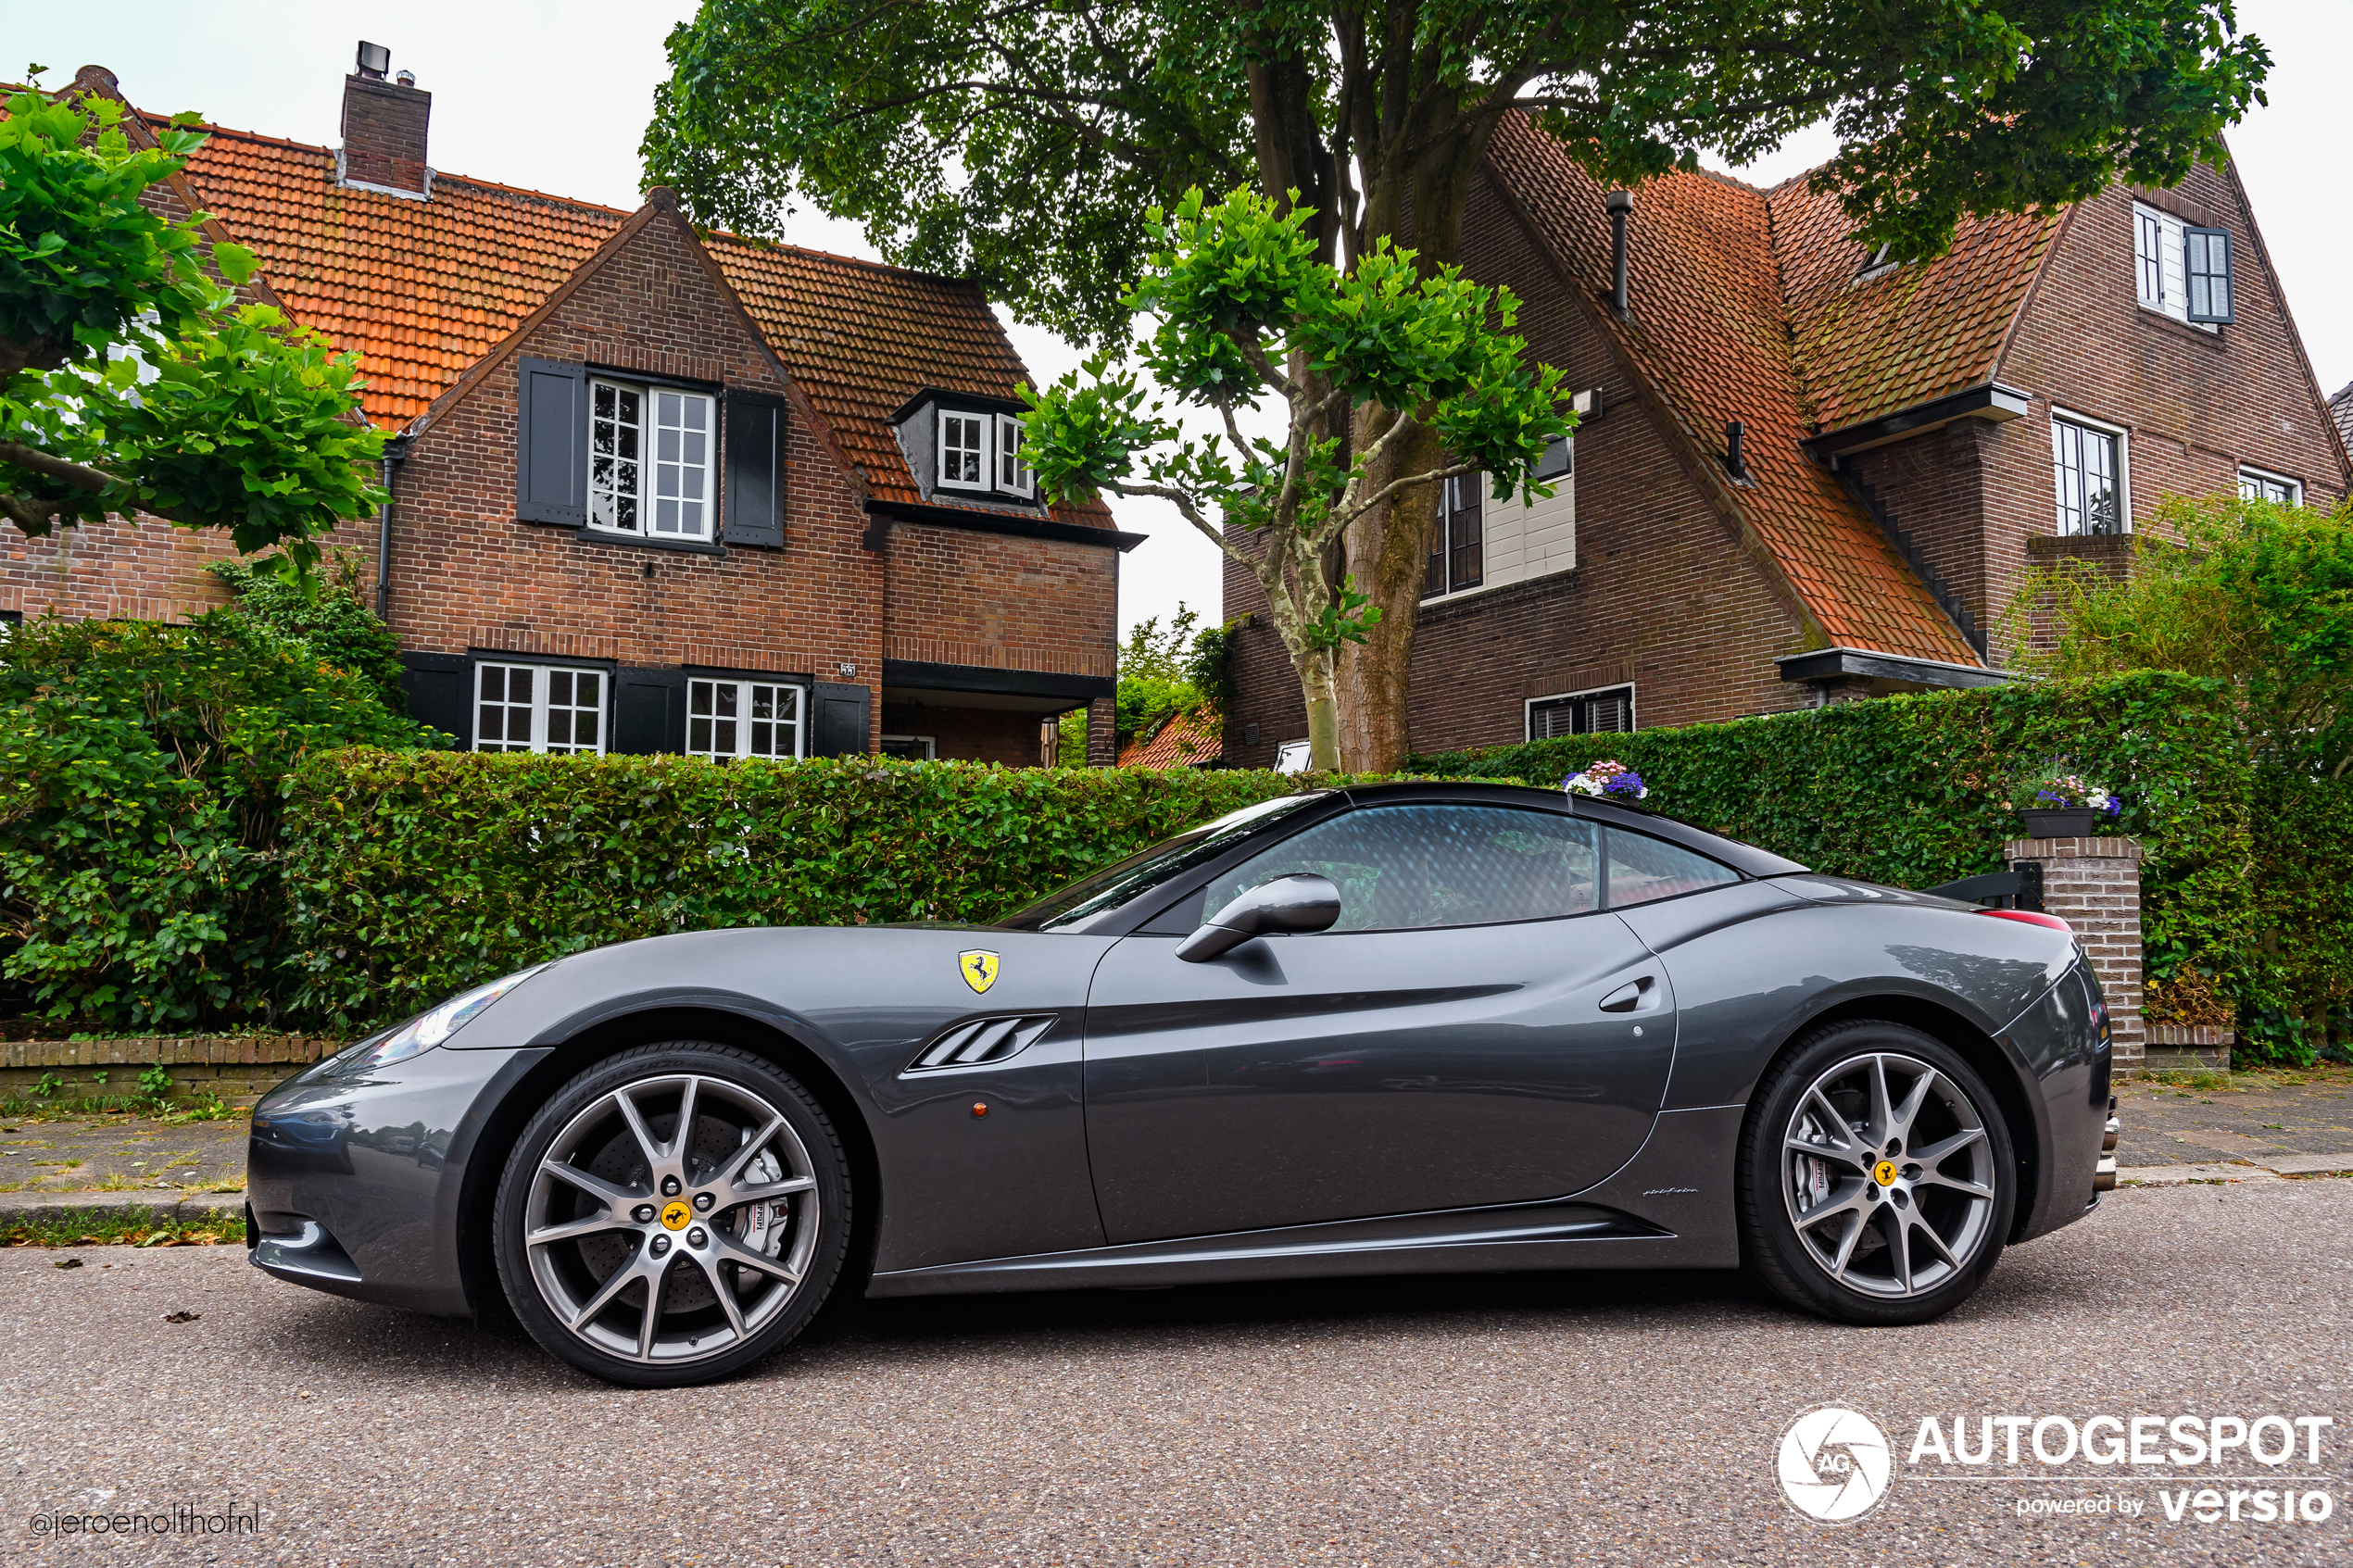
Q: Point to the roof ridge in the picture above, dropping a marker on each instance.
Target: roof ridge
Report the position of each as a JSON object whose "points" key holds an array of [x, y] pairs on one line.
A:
{"points": [[753, 242]]}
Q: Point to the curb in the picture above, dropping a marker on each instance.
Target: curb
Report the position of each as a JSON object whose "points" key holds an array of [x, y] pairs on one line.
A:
{"points": [[21, 1208], [2236, 1171]]}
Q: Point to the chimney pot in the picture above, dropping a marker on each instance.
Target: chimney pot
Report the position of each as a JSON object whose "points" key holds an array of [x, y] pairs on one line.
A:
{"points": [[384, 124], [1735, 461]]}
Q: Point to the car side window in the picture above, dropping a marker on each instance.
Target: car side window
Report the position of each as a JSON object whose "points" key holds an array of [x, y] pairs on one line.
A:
{"points": [[1402, 867], [1642, 868]]}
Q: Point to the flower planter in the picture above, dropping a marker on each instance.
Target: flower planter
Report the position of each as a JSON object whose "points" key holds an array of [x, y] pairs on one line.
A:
{"points": [[2060, 821]]}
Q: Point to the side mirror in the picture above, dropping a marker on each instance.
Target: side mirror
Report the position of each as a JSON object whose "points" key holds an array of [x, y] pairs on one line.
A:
{"points": [[1298, 904]]}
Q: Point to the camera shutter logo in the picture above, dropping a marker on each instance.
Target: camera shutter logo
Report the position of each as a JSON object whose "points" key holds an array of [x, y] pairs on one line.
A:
{"points": [[1833, 1464]]}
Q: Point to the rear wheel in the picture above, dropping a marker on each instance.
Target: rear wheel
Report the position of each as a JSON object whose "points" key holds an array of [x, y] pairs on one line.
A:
{"points": [[1877, 1178], [672, 1214]]}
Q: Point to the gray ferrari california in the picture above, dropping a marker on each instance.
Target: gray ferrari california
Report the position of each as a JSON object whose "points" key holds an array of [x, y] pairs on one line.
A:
{"points": [[1411, 1028]]}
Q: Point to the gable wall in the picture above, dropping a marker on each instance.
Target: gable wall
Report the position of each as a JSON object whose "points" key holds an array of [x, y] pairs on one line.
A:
{"points": [[2195, 405], [467, 576], [1662, 594]]}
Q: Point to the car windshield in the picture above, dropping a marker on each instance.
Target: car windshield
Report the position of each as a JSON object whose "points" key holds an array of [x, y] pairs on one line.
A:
{"points": [[1075, 907]]}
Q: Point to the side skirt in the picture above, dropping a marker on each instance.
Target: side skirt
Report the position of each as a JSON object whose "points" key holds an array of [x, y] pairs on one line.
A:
{"points": [[1680, 1178]]}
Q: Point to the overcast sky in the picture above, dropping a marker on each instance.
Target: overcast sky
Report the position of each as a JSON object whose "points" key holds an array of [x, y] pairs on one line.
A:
{"points": [[555, 96]]}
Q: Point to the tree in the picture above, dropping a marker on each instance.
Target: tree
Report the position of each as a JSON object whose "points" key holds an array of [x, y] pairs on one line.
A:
{"points": [[1019, 142], [133, 381], [2250, 592], [1244, 310]]}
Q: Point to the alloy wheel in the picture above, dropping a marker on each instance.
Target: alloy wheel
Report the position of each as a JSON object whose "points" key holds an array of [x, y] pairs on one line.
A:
{"points": [[1888, 1175], [671, 1219]]}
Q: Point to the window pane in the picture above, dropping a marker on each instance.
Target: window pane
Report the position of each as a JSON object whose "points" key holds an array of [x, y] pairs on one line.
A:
{"points": [[1400, 867], [588, 682], [680, 462], [613, 457], [699, 696], [1434, 576], [1609, 714], [1466, 532], [1643, 867], [2084, 469], [560, 688], [697, 737]]}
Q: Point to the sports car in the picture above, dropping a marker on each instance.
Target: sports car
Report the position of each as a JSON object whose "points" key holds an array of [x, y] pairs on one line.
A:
{"points": [[1401, 1028]]}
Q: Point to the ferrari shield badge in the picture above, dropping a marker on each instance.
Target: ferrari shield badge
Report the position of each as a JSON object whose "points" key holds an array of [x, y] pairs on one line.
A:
{"points": [[980, 969]]}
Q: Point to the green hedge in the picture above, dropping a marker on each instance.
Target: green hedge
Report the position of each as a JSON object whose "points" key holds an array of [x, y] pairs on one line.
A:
{"points": [[413, 874], [1916, 791]]}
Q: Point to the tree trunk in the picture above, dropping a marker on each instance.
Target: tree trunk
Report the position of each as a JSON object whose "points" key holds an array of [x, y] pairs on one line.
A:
{"points": [[1389, 555], [1389, 546]]}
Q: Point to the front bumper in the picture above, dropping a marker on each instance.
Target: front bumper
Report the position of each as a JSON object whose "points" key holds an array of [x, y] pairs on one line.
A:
{"points": [[360, 1185]]}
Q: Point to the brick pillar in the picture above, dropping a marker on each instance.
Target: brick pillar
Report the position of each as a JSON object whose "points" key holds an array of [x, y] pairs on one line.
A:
{"points": [[1102, 733], [2095, 885]]}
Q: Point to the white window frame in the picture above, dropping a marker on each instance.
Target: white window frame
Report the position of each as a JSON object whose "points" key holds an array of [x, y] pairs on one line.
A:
{"points": [[1292, 756], [744, 691], [1633, 717], [2161, 259], [2250, 475], [657, 463], [2123, 467], [1014, 475], [983, 450], [542, 680], [929, 743]]}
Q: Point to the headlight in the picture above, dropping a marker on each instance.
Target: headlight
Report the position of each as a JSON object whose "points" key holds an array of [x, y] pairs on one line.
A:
{"points": [[428, 1029]]}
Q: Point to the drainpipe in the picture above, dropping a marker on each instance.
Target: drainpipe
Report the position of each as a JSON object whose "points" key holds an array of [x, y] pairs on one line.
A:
{"points": [[1621, 206], [394, 449]]}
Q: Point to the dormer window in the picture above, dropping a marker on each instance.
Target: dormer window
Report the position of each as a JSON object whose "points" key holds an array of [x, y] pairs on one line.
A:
{"points": [[982, 453], [1883, 259], [963, 446]]}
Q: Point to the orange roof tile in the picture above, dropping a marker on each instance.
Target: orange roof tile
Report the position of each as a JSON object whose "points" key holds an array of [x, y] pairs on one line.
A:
{"points": [[423, 289], [1186, 740], [1711, 335], [419, 289], [1868, 347], [863, 338]]}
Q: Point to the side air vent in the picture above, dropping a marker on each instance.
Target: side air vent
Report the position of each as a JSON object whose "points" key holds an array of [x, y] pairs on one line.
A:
{"points": [[982, 1041]]}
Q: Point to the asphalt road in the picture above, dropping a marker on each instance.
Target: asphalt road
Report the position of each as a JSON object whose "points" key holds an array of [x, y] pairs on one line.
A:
{"points": [[1535, 1419]]}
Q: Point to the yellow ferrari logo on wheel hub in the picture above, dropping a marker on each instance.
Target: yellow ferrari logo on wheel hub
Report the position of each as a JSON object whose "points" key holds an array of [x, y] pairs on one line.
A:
{"points": [[1884, 1173], [676, 1215], [980, 969]]}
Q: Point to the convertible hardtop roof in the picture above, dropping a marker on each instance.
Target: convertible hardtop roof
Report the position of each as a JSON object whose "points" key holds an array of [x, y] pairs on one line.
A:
{"points": [[1744, 858]]}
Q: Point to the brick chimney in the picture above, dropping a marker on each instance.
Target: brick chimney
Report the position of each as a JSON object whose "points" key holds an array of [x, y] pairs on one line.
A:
{"points": [[383, 127]]}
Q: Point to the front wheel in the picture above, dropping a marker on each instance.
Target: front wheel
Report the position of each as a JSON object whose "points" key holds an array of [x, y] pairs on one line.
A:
{"points": [[672, 1214], [1876, 1177]]}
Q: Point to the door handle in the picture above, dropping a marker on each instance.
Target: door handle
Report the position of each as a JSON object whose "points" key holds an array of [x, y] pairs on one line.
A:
{"points": [[1631, 996]]}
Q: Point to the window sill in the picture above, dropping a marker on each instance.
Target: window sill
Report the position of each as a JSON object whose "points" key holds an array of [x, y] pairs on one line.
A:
{"points": [[635, 541]]}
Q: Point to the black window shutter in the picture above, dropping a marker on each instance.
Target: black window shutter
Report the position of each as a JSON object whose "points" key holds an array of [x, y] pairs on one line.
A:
{"points": [[440, 690], [840, 726], [755, 498], [650, 712], [552, 443], [2207, 260]]}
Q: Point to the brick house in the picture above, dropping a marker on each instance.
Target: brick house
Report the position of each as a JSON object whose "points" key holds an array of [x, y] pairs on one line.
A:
{"points": [[651, 490], [1806, 473]]}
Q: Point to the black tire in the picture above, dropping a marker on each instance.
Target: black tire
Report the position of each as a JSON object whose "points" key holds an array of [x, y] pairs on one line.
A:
{"points": [[1794, 1202], [615, 1169]]}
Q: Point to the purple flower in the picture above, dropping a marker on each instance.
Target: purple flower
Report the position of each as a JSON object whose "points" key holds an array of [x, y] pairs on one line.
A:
{"points": [[1625, 784]]}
